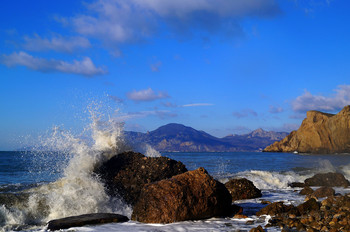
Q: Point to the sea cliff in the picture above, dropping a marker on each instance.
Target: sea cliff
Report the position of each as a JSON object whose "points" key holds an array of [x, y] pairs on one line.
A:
{"points": [[318, 133]]}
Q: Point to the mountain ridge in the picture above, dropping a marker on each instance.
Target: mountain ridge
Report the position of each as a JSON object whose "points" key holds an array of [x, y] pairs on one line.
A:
{"points": [[174, 137]]}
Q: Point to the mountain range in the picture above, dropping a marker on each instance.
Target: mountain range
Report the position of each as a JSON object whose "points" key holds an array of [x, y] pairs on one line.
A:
{"points": [[175, 137]]}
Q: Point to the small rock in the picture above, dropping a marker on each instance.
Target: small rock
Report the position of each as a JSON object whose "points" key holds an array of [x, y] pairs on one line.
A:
{"points": [[323, 192], [306, 191], [257, 229], [242, 189]]}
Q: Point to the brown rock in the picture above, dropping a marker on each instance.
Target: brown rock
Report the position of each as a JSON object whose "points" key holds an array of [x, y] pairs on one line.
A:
{"points": [[308, 206], [85, 219], [257, 229], [329, 179], [318, 133], [275, 208], [323, 192], [306, 191], [242, 189], [189, 196], [296, 185], [125, 174]]}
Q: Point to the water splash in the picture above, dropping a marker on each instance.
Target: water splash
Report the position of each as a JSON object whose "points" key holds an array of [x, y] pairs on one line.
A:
{"points": [[78, 191]]}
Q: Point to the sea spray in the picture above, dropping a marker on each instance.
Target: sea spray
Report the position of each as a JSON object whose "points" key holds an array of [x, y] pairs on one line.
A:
{"points": [[78, 191]]}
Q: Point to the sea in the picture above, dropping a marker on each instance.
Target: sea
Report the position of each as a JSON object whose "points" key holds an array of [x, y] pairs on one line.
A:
{"points": [[55, 180]]}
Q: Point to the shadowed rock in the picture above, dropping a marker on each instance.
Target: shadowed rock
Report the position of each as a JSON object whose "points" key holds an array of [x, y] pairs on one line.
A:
{"points": [[85, 219], [125, 174], [189, 196], [242, 189], [329, 179]]}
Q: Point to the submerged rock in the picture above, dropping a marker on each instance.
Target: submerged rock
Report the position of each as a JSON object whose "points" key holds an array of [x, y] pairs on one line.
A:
{"points": [[329, 179], [85, 219], [242, 189], [318, 133], [125, 174], [189, 196]]}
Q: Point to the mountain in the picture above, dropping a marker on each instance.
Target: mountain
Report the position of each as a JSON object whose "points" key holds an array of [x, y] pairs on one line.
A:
{"points": [[318, 133], [179, 138]]}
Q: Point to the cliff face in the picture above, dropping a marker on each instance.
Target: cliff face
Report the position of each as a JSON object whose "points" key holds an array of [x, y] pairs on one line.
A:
{"points": [[318, 133]]}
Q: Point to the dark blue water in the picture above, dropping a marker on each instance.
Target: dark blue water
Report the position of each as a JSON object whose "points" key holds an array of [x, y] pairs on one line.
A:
{"points": [[234, 162], [35, 167]]}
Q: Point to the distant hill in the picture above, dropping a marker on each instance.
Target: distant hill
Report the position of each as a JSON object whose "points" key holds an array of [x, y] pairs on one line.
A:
{"points": [[179, 138]]}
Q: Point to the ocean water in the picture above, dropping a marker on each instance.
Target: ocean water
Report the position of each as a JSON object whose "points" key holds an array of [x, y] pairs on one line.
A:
{"points": [[34, 188], [41, 185]]}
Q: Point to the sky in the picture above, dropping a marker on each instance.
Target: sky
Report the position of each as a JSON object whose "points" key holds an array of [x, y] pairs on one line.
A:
{"points": [[221, 66]]}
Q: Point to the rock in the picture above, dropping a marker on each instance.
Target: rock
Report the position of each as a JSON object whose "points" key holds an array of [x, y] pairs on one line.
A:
{"points": [[308, 206], [85, 219], [275, 208], [306, 191], [318, 133], [329, 179], [296, 185], [125, 174], [242, 189], [323, 192], [257, 229], [189, 196]]}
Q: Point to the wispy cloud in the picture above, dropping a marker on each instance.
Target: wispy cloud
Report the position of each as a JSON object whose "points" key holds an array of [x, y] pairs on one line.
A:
{"points": [[275, 109], [119, 21], [84, 67], [162, 114], [337, 101], [58, 43], [155, 67], [197, 104], [245, 113], [146, 95]]}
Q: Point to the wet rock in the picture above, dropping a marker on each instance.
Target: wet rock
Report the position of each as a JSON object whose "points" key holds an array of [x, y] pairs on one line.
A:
{"points": [[323, 192], [242, 189], [275, 208], [329, 179], [189, 196], [296, 185], [125, 174], [309, 206], [306, 191], [257, 229], [85, 219]]}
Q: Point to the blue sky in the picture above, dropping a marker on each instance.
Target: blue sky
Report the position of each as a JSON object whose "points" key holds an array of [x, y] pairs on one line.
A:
{"points": [[221, 66]]}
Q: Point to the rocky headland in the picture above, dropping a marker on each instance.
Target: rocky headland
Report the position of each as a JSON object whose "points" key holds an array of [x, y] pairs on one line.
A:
{"points": [[320, 133]]}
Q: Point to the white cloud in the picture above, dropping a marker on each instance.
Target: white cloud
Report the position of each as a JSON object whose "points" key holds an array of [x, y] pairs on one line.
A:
{"points": [[84, 67], [337, 101], [146, 95], [58, 43], [120, 21], [197, 104], [245, 113]]}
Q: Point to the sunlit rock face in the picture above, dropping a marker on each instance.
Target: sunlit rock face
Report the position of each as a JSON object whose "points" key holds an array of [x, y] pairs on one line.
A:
{"points": [[318, 133]]}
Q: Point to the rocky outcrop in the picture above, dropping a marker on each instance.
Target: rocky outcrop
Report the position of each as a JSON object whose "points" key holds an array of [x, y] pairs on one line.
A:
{"points": [[125, 174], [318, 133], [189, 196], [85, 219], [242, 189], [329, 179]]}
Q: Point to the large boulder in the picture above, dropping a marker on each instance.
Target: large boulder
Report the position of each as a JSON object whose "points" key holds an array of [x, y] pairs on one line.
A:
{"points": [[242, 189], [329, 179], [192, 195], [85, 219], [318, 133], [125, 174]]}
